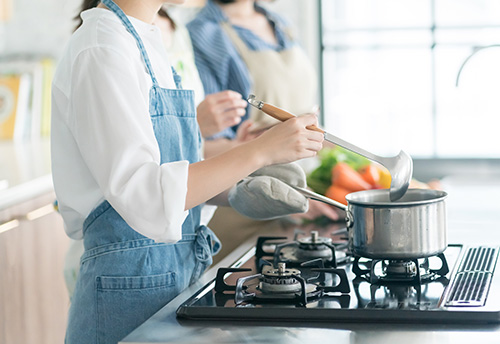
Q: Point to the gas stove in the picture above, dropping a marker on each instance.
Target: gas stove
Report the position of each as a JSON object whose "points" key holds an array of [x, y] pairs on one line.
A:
{"points": [[315, 278]]}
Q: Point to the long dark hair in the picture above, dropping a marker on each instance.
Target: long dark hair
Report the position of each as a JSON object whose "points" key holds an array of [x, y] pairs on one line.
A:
{"points": [[86, 5], [164, 14]]}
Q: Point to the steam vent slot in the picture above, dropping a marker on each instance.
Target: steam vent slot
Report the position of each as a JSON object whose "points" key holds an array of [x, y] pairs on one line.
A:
{"points": [[473, 279]]}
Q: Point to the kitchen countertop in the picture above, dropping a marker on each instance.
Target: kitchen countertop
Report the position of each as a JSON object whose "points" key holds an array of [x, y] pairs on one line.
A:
{"points": [[24, 171], [473, 218]]}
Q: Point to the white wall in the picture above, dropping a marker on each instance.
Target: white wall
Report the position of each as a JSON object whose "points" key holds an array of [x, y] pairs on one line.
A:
{"points": [[303, 14], [42, 27], [38, 27]]}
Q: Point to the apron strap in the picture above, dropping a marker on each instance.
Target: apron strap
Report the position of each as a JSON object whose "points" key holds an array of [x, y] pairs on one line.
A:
{"points": [[241, 47], [128, 25], [177, 79]]}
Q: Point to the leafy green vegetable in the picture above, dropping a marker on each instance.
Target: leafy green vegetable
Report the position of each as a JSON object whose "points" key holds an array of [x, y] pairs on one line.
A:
{"points": [[321, 178]]}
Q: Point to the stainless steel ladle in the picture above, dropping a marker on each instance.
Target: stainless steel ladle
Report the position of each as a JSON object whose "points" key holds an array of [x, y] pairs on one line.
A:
{"points": [[400, 166]]}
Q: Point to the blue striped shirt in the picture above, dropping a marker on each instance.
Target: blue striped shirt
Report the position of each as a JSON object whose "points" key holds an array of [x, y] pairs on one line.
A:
{"points": [[219, 63]]}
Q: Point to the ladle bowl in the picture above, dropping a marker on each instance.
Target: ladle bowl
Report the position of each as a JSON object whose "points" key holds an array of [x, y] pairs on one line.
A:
{"points": [[400, 166]]}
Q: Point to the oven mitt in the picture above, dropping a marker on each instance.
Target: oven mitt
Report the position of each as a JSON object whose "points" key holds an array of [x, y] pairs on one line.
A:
{"points": [[267, 194]]}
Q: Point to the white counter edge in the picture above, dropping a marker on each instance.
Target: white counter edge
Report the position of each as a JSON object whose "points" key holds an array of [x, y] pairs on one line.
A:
{"points": [[24, 192]]}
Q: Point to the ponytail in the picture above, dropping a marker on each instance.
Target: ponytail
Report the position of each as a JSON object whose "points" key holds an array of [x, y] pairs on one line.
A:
{"points": [[86, 5]]}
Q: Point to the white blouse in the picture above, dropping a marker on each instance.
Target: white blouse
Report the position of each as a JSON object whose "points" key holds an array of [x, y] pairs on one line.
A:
{"points": [[103, 143]]}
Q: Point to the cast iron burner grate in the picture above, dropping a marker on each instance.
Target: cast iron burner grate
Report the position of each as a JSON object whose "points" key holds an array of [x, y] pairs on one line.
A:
{"points": [[303, 249], [280, 285], [411, 271]]}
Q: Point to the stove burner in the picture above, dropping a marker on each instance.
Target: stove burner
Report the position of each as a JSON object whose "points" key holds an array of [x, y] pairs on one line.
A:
{"points": [[281, 285], [303, 249], [314, 247], [280, 280], [380, 271], [399, 268], [405, 291]]}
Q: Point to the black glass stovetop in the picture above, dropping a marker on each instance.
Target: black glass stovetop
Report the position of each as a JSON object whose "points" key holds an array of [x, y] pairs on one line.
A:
{"points": [[457, 286]]}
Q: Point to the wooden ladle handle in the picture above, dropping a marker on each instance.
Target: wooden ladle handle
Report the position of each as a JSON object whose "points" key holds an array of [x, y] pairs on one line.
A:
{"points": [[283, 115]]}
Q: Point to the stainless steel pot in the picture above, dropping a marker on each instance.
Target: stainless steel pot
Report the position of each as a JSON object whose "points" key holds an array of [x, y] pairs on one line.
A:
{"points": [[412, 227]]}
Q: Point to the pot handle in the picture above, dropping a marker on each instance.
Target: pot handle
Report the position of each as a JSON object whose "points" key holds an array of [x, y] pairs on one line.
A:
{"points": [[316, 196]]}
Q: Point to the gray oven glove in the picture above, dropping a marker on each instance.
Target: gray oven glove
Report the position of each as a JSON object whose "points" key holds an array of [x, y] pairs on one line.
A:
{"points": [[267, 194]]}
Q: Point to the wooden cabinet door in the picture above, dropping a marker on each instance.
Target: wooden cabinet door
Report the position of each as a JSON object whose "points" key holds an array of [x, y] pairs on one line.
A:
{"points": [[33, 295]]}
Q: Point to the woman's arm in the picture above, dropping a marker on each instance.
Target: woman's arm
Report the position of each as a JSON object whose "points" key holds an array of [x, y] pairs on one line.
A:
{"points": [[286, 142]]}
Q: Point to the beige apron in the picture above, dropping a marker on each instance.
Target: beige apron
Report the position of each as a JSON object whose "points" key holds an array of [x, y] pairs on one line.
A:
{"points": [[285, 79]]}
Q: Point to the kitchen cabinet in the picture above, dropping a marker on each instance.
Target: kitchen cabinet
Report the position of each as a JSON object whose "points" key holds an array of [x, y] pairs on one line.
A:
{"points": [[33, 294]]}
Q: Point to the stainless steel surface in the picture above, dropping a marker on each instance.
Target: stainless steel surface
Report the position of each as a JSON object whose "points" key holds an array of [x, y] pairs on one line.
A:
{"points": [[465, 226], [254, 102], [413, 227], [380, 197], [400, 166]]}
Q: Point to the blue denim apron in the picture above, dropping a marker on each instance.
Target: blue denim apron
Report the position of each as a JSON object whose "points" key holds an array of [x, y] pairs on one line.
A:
{"points": [[125, 277]]}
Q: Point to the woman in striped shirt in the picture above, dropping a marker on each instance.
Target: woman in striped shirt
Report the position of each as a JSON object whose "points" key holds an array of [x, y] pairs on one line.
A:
{"points": [[241, 46]]}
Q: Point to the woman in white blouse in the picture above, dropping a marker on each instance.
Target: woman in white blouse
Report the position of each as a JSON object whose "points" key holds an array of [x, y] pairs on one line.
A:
{"points": [[127, 170], [214, 112]]}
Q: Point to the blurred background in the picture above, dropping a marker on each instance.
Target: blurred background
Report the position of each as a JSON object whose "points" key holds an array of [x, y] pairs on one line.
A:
{"points": [[388, 70], [417, 75]]}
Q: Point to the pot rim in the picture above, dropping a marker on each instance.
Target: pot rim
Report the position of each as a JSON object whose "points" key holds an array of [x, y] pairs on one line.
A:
{"points": [[380, 198]]}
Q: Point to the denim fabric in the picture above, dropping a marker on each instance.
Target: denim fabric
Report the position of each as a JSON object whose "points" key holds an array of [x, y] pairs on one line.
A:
{"points": [[125, 277]]}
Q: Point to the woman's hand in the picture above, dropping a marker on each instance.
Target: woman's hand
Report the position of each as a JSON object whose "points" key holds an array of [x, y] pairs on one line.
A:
{"points": [[219, 111], [289, 141], [283, 143], [243, 134]]}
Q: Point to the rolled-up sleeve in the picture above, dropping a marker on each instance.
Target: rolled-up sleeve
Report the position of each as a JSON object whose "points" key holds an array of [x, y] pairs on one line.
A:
{"points": [[111, 124]]}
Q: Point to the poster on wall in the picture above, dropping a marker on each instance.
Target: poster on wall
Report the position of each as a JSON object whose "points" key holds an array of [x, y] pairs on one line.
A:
{"points": [[14, 93]]}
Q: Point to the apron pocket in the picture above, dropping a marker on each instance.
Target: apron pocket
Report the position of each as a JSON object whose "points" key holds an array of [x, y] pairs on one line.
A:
{"points": [[123, 303]]}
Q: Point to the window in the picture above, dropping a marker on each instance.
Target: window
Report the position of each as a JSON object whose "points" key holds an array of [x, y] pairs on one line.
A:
{"points": [[390, 69]]}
